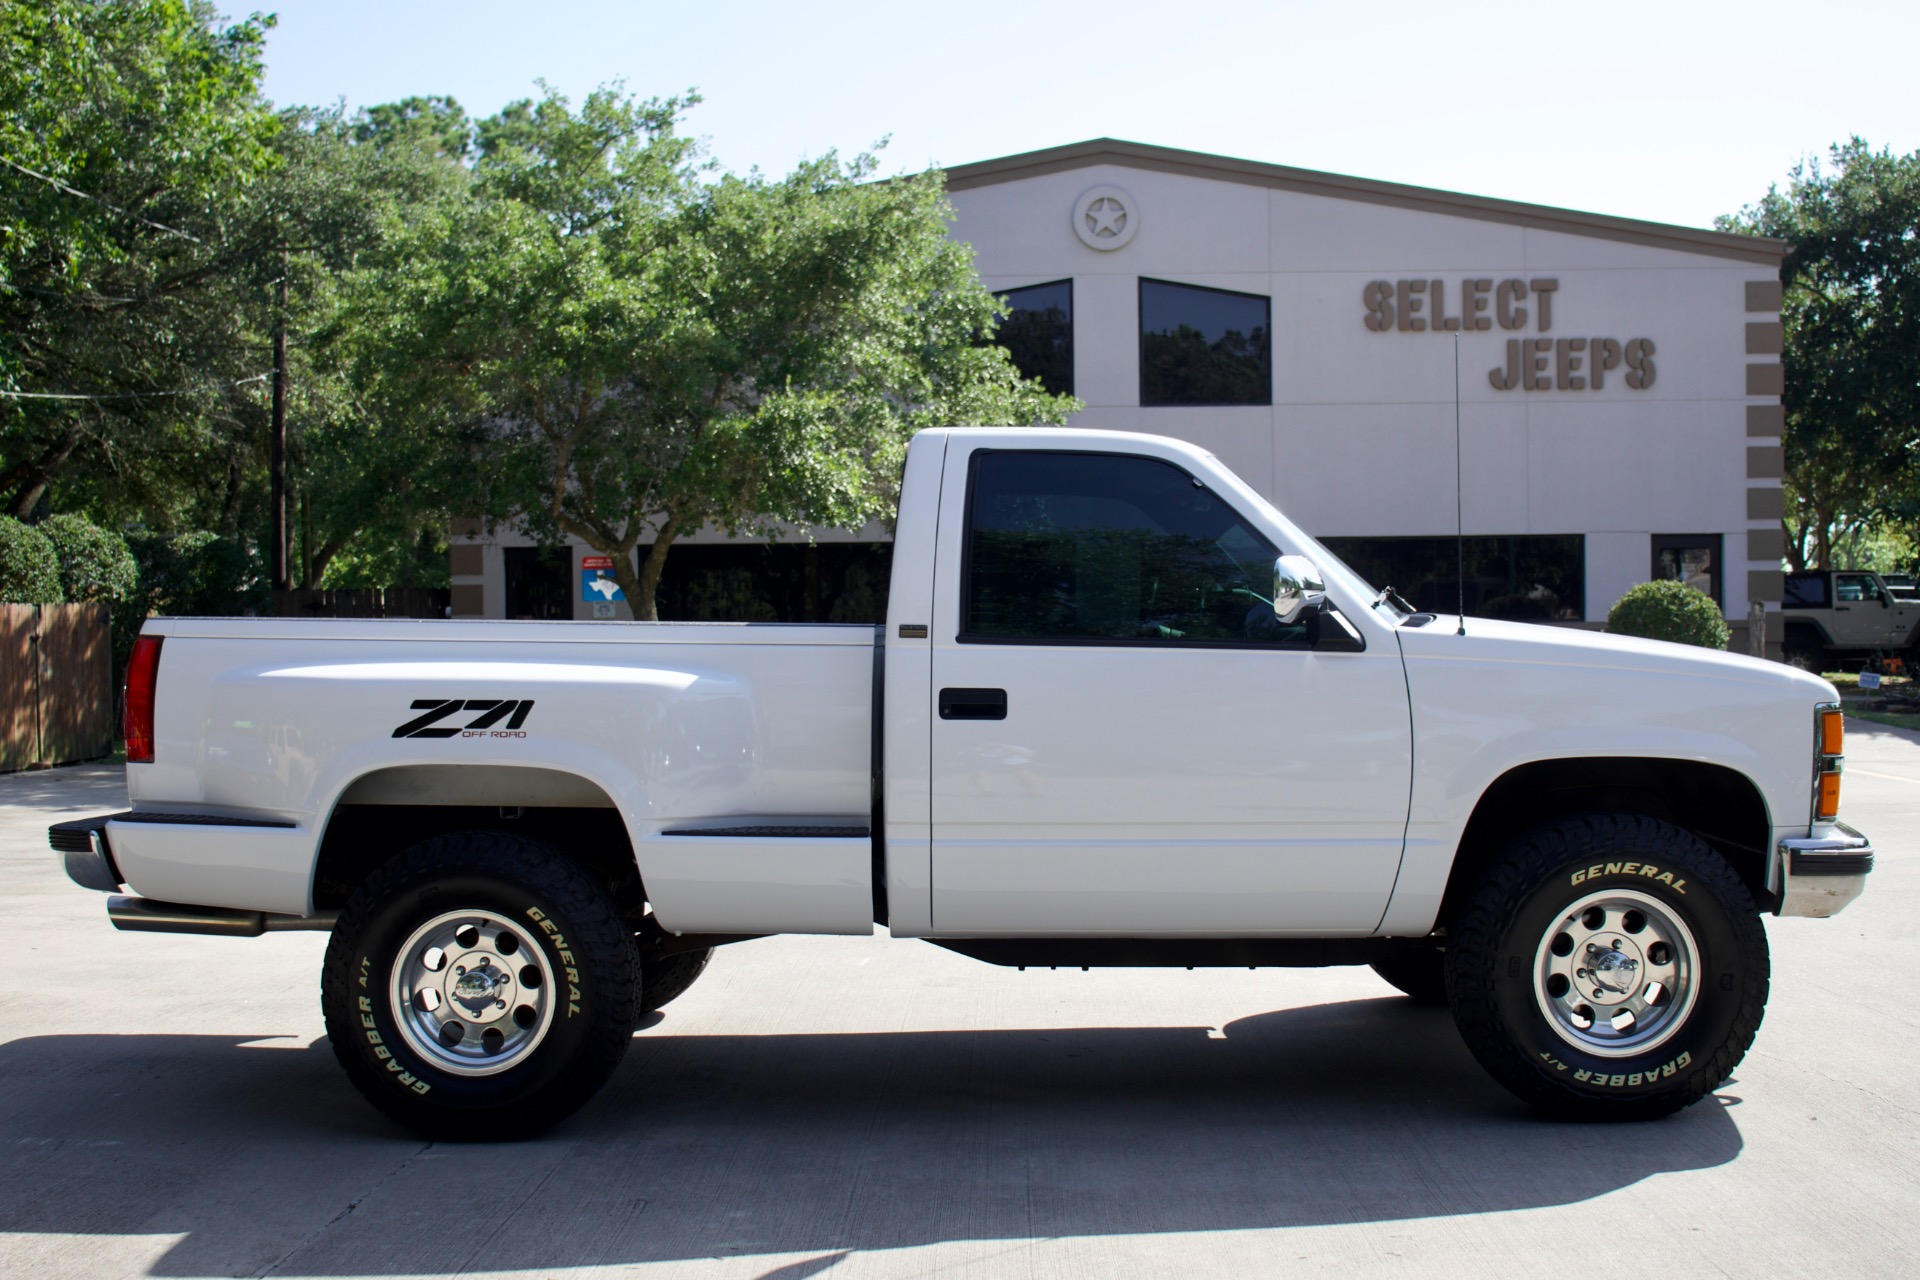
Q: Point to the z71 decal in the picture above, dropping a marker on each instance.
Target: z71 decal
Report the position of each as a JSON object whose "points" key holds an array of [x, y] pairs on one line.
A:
{"points": [[492, 712]]}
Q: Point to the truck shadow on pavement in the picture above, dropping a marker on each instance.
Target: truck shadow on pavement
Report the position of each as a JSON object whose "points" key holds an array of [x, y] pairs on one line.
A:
{"points": [[261, 1157]]}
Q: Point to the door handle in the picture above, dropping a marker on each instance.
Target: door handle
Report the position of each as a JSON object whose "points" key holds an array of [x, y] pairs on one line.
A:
{"points": [[973, 704]]}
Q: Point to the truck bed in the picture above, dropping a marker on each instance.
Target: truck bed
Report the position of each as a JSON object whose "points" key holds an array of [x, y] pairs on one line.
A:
{"points": [[682, 727]]}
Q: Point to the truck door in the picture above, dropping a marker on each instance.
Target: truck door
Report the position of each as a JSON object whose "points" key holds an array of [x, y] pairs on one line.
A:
{"points": [[1124, 741]]}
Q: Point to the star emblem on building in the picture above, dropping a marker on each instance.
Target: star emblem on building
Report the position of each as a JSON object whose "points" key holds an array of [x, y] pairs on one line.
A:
{"points": [[1106, 217]]}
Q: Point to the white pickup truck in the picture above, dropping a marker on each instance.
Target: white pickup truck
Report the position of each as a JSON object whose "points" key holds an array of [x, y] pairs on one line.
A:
{"points": [[1122, 712]]}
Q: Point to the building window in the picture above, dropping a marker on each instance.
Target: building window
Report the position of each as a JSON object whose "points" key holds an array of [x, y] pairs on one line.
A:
{"points": [[773, 582], [540, 583], [1037, 332], [1538, 578], [1692, 558], [1204, 346], [1088, 548]]}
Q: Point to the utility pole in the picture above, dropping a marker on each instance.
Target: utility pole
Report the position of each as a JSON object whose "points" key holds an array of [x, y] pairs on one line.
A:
{"points": [[278, 499]]}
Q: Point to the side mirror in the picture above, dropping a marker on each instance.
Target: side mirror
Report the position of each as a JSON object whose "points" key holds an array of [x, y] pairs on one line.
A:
{"points": [[1298, 588]]}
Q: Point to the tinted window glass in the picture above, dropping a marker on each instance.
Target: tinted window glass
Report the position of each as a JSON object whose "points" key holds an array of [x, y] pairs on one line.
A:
{"points": [[1204, 346], [1066, 546], [1538, 578], [1692, 558], [1038, 333], [1855, 586], [1805, 591], [539, 583]]}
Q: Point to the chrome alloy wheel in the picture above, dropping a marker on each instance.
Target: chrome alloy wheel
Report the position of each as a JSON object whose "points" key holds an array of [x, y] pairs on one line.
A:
{"points": [[472, 993], [1617, 973]]}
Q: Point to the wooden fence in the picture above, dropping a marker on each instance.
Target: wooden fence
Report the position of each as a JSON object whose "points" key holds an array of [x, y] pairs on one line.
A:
{"points": [[367, 602], [56, 685]]}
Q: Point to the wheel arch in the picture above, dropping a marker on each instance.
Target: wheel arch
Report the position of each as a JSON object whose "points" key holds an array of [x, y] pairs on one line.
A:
{"points": [[1720, 805], [1808, 628], [387, 810]]}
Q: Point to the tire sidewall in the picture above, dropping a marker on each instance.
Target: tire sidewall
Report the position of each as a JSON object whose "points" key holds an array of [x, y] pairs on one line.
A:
{"points": [[382, 1053], [1724, 974]]}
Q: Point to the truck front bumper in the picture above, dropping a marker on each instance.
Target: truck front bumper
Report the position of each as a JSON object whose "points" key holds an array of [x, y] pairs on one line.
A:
{"points": [[1818, 874]]}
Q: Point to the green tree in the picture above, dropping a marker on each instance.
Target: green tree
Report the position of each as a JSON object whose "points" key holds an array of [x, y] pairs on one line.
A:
{"points": [[1852, 320], [629, 347], [126, 131]]}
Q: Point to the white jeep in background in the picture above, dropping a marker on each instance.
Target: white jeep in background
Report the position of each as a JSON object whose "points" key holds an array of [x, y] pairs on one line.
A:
{"points": [[1848, 617]]}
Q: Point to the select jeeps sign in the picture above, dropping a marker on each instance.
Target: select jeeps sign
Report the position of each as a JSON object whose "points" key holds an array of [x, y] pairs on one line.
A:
{"points": [[1532, 363]]}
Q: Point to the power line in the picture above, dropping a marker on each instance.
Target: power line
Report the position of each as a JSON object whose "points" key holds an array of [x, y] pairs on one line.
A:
{"points": [[105, 204], [126, 395]]}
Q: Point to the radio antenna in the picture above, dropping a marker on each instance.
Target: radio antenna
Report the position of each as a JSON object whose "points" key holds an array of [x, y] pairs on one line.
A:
{"points": [[1459, 501]]}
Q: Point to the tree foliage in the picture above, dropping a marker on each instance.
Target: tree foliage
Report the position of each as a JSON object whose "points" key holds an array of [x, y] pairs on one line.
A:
{"points": [[629, 348], [1852, 361], [130, 134], [1668, 609], [556, 316]]}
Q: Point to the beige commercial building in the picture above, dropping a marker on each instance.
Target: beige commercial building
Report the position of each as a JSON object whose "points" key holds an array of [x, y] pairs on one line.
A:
{"points": [[1618, 407]]}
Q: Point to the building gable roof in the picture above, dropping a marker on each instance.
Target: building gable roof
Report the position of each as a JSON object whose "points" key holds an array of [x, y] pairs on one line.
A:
{"points": [[1195, 164]]}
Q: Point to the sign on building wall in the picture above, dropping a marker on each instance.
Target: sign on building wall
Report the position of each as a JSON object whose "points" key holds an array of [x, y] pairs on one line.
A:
{"points": [[1531, 364]]}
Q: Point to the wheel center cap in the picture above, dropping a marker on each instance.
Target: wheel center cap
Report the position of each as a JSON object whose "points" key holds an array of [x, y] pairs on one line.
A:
{"points": [[1614, 970], [480, 990]]}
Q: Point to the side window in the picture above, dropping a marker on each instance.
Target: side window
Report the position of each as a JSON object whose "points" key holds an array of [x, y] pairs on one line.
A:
{"points": [[1855, 588], [1805, 591], [1093, 548]]}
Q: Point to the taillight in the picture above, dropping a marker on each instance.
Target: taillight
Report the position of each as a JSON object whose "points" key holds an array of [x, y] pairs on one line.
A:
{"points": [[1829, 738], [143, 672]]}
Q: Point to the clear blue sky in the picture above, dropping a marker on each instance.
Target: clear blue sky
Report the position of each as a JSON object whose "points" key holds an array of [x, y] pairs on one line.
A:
{"points": [[1672, 112]]}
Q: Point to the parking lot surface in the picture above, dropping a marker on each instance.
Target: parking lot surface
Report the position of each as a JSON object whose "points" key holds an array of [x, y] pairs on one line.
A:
{"points": [[169, 1106]]}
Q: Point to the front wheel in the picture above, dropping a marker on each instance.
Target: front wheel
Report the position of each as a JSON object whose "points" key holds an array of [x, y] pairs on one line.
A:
{"points": [[480, 987], [1609, 967]]}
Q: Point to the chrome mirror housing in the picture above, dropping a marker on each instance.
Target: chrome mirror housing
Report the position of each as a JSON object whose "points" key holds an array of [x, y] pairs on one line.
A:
{"points": [[1298, 588]]}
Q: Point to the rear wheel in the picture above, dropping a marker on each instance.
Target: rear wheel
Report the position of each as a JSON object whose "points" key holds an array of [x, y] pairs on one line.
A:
{"points": [[480, 987], [669, 977], [1803, 651], [1609, 967]]}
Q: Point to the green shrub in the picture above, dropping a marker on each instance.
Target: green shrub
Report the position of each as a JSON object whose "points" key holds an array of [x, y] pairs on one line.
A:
{"points": [[1669, 610], [95, 564], [29, 569]]}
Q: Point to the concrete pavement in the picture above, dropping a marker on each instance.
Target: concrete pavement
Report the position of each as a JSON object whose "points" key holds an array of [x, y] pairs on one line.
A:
{"points": [[865, 1108]]}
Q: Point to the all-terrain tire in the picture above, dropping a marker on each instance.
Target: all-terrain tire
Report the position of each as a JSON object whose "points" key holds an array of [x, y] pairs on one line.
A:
{"points": [[1420, 972], [664, 979], [422, 950], [1623, 917]]}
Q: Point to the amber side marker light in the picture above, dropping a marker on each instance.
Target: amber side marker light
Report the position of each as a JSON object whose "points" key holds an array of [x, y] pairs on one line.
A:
{"points": [[1832, 730], [143, 673], [1826, 795], [1829, 805]]}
